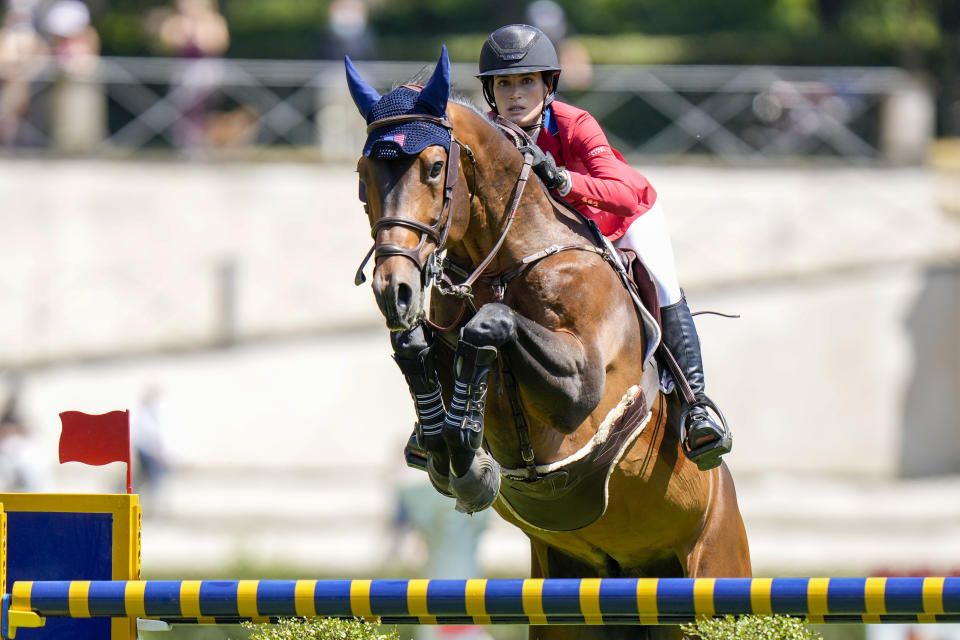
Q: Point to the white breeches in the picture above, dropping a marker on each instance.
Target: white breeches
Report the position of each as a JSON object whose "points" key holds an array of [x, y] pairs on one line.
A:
{"points": [[649, 237]]}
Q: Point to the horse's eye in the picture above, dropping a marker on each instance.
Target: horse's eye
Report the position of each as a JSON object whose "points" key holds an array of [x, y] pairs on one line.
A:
{"points": [[436, 169]]}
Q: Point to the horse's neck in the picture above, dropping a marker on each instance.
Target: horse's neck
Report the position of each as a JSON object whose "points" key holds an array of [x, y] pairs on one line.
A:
{"points": [[535, 225]]}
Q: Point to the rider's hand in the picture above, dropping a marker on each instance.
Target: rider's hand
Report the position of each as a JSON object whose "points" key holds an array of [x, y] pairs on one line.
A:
{"points": [[546, 167]]}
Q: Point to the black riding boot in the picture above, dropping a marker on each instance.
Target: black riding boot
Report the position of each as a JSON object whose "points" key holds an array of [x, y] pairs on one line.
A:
{"points": [[704, 440], [463, 427], [413, 353]]}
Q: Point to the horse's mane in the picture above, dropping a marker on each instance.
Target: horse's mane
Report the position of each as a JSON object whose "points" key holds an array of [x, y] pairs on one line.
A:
{"points": [[465, 101], [461, 99]]}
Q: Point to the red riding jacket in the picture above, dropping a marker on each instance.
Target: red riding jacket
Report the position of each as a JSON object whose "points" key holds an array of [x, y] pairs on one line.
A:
{"points": [[603, 186]]}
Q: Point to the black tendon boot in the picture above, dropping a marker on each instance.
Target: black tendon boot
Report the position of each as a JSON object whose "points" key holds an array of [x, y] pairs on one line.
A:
{"points": [[476, 475], [413, 353], [704, 440], [463, 428]]}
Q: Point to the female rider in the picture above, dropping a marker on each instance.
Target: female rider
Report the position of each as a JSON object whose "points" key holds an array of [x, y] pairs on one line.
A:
{"points": [[519, 70]]}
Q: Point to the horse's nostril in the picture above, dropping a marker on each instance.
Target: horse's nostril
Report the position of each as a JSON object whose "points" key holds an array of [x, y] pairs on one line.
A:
{"points": [[404, 293]]}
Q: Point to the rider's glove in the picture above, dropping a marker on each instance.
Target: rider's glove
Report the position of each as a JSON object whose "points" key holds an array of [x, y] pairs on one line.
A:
{"points": [[546, 167]]}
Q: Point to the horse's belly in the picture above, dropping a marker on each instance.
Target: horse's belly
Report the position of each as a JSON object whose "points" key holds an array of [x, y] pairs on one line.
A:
{"points": [[654, 509]]}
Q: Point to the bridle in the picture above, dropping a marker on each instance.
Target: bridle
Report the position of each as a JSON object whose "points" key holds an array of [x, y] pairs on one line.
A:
{"points": [[439, 231], [431, 271]]}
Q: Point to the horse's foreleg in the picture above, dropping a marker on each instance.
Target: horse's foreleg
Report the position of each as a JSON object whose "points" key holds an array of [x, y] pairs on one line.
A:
{"points": [[558, 377], [413, 353], [475, 477]]}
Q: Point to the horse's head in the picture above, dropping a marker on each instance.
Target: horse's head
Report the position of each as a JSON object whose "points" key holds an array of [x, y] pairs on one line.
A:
{"points": [[408, 171]]}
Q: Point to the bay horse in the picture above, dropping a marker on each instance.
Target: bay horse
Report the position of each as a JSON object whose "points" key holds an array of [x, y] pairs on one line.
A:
{"points": [[529, 362]]}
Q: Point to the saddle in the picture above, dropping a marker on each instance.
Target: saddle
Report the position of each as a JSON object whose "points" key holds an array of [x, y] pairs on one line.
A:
{"points": [[640, 278]]}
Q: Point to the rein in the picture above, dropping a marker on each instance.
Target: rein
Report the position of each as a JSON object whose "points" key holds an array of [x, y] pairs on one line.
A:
{"points": [[465, 289]]}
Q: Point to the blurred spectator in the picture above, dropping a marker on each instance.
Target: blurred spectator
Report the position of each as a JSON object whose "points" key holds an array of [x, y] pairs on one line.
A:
{"points": [[549, 17], [348, 31], [151, 426], [22, 467], [196, 32], [22, 56], [75, 43], [78, 104]]}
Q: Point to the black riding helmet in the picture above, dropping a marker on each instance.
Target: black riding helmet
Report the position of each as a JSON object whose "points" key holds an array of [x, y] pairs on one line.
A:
{"points": [[518, 48]]}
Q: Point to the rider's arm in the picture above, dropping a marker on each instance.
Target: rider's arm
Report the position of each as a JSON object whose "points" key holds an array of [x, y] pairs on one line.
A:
{"points": [[610, 183]]}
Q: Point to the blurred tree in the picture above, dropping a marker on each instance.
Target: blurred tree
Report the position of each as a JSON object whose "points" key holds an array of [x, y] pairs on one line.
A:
{"points": [[432, 17], [948, 18], [121, 26], [908, 27], [275, 29], [907, 32], [830, 11], [679, 16]]}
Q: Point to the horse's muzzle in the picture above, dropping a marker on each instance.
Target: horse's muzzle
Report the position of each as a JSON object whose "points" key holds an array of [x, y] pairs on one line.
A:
{"points": [[398, 293]]}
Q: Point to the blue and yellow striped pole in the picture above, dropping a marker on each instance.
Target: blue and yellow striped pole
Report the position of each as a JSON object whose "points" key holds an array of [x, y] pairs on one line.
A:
{"points": [[530, 601]]}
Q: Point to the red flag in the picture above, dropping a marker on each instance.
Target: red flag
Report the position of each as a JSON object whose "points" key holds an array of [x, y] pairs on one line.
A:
{"points": [[95, 439]]}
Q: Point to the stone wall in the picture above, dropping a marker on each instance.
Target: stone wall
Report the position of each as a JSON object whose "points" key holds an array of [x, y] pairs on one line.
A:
{"points": [[844, 361]]}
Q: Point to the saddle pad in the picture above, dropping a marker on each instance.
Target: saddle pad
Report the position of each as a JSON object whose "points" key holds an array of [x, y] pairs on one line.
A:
{"points": [[569, 496]]}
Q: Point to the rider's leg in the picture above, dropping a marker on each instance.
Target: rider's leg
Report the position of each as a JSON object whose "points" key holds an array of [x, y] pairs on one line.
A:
{"points": [[649, 237], [706, 439]]}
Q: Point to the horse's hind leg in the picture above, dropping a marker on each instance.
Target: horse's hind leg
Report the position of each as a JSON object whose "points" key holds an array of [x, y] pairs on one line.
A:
{"points": [[548, 562], [475, 475], [722, 549]]}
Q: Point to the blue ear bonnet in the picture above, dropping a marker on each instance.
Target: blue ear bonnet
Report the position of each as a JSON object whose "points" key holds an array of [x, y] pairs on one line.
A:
{"points": [[406, 138]]}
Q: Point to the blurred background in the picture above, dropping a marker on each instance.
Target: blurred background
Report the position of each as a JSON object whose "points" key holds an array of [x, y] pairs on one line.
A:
{"points": [[179, 230]]}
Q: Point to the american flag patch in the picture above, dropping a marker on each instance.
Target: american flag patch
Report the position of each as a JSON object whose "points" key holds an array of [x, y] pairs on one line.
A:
{"points": [[598, 150], [396, 137]]}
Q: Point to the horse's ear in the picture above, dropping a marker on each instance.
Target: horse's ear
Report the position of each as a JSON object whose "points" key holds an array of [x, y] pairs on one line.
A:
{"points": [[364, 96], [437, 90]]}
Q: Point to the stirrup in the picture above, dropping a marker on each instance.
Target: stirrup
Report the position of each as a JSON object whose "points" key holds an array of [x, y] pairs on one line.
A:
{"points": [[706, 456]]}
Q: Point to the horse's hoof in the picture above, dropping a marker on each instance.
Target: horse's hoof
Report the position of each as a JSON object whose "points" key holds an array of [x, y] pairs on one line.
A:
{"points": [[439, 479], [478, 487]]}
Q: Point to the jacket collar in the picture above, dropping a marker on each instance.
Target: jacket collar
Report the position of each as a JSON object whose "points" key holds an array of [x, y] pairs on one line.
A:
{"points": [[549, 122]]}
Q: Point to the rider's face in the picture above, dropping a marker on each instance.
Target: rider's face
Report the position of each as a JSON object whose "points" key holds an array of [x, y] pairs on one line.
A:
{"points": [[520, 97]]}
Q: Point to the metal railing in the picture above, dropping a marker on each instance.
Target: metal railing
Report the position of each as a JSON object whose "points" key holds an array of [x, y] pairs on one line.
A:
{"points": [[127, 105]]}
